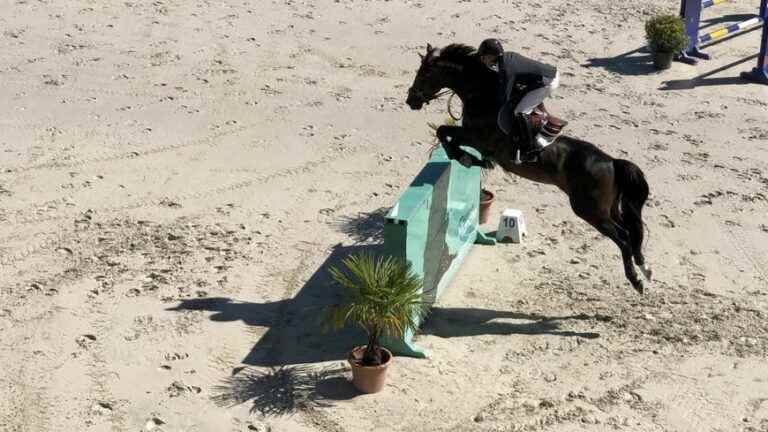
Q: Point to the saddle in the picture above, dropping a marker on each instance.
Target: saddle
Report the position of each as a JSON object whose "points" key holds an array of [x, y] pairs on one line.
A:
{"points": [[545, 123]]}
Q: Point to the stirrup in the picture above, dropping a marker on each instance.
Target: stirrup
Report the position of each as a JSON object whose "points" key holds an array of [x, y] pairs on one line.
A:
{"points": [[544, 139]]}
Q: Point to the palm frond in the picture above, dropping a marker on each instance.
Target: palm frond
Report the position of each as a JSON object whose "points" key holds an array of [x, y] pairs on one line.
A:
{"points": [[384, 295]]}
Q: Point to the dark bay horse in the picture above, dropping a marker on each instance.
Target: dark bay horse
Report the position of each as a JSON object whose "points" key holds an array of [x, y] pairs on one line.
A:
{"points": [[607, 193]]}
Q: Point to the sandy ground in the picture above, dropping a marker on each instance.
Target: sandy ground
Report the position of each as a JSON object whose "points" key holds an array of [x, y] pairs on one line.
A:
{"points": [[176, 176]]}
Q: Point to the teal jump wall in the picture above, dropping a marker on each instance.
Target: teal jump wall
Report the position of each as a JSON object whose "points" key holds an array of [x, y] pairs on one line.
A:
{"points": [[434, 225]]}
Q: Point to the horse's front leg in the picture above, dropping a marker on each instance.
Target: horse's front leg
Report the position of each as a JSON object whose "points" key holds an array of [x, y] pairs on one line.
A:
{"points": [[450, 137]]}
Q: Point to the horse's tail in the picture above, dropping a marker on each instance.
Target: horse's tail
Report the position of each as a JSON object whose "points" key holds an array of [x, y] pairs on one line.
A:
{"points": [[633, 190], [632, 185]]}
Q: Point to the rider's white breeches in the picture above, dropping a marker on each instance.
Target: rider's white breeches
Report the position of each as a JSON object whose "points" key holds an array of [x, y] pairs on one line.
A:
{"points": [[535, 97]]}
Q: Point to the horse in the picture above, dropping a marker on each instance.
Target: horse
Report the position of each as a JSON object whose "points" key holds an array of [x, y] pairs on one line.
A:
{"points": [[607, 193]]}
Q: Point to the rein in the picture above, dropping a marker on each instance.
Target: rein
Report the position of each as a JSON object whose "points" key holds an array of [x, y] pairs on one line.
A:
{"points": [[450, 111], [450, 99]]}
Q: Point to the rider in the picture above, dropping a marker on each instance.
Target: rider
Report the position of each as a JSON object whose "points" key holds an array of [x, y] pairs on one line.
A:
{"points": [[525, 84]]}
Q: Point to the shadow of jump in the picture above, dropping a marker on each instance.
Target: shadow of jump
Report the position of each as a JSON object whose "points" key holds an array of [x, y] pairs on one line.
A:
{"points": [[295, 332]]}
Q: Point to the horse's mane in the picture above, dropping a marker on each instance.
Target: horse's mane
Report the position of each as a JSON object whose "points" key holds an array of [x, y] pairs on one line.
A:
{"points": [[456, 53]]}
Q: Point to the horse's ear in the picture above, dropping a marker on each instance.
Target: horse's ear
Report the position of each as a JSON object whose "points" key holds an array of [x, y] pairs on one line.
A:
{"points": [[429, 47], [421, 56]]}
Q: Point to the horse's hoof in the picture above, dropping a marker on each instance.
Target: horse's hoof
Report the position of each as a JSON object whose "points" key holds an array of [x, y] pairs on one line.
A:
{"points": [[638, 286], [647, 272]]}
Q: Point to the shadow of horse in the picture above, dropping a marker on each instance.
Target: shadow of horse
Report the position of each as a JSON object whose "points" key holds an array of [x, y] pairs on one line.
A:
{"points": [[464, 322]]}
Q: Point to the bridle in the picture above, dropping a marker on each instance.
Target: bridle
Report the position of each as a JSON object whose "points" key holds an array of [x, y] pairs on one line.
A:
{"points": [[438, 95], [426, 99]]}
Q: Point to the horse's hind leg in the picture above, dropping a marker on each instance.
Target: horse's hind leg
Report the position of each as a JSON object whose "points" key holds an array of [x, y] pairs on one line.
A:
{"points": [[609, 228], [621, 237], [636, 235], [632, 221]]}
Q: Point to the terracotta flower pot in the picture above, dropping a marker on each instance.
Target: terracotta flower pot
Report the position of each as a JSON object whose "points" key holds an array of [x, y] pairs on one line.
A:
{"points": [[486, 199], [369, 379]]}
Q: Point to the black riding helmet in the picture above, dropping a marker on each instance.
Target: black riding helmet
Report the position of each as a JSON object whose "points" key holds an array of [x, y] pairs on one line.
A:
{"points": [[490, 47]]}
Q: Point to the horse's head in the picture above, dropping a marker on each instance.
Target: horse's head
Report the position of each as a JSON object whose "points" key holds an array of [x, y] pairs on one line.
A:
{"points": [[440, 68]]}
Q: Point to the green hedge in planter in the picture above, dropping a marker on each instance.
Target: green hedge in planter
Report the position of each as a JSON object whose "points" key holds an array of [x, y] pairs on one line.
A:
{"points": [[666, 33]]}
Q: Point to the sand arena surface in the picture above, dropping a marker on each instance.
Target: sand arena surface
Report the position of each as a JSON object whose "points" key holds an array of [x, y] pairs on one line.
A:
{"points": [[175, 177]]}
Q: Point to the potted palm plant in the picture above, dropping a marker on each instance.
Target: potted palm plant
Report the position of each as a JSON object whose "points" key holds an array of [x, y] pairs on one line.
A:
{"points": [[666, 37], [384, 298]]}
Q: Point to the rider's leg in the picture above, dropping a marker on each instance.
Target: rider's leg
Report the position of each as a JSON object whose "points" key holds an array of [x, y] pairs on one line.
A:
{"points": [[535, 98], [530, 144], [552, 125], [509, 123], [531, 100]]}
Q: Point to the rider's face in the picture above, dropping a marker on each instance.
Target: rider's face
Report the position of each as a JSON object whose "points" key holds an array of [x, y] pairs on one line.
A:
{"points": [[489, 60]]}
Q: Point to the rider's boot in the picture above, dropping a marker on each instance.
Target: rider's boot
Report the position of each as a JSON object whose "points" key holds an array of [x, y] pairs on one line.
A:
{"points": [[547, 134], [527, 149]]}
